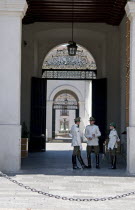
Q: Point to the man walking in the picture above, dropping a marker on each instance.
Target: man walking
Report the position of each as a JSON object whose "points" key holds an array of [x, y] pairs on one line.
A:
{"points": [[76, 143], [92, 133]]}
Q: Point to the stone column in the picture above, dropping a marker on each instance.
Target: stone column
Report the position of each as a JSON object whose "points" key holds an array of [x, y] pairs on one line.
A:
{"points": [[82, 115], [130, 10], [11, 14], [49, 119]]}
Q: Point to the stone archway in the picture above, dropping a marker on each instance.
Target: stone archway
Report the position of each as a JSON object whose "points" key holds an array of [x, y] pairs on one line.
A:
{"points": [[51, 97], [65, 109], [63, 69]]}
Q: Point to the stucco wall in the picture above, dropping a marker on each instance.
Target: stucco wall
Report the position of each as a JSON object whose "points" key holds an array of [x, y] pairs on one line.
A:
{"points": [[122, 29], [102, 40]]}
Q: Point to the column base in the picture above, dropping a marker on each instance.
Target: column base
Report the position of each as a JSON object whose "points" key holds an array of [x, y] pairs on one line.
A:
{"points": [[10, 148], [131, 150]]}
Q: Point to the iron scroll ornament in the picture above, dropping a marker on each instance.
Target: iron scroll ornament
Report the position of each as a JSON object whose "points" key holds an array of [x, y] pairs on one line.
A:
{"points": [[69, 74]]}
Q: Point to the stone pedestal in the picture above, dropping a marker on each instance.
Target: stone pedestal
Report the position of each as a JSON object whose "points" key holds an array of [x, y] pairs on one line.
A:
{"points": [[11, 14], [130, 10]]}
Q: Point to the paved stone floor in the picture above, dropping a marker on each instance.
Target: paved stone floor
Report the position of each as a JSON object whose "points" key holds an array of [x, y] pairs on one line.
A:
{"points": [[52, 172]]}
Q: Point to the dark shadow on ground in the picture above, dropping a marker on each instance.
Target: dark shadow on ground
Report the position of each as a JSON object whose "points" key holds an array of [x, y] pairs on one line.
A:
{"points": [[59, 163]]}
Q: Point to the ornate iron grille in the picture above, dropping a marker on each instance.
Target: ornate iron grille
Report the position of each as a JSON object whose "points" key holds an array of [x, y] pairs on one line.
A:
{"points": [[69, 74], [65, 107], [64, 112]]}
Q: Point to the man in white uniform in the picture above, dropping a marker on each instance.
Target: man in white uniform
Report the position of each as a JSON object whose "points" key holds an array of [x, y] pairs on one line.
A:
{"points": [[92, 133], [113, 144], [77, 144]]}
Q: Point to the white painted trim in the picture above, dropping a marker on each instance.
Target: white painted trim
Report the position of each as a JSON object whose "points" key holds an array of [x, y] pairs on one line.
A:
{"points": [[66, 87], [130, 9]]}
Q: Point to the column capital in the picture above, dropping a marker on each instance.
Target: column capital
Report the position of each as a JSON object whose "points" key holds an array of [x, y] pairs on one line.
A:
{"points": [[13, 7], [130, 9]]}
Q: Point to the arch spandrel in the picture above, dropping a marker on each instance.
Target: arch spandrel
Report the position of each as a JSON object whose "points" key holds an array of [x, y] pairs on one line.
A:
{"points": [[69, 88]]}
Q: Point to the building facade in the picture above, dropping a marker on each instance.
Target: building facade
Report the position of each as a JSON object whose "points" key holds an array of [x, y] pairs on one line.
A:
{"points": [[22, 52]]}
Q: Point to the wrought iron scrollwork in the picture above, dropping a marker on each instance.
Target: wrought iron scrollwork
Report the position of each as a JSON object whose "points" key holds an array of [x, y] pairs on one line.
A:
{"points": [[69, 74]]}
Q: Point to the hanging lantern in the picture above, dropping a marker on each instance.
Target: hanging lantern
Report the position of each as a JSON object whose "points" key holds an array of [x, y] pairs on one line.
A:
{"points": [[72, 48]]}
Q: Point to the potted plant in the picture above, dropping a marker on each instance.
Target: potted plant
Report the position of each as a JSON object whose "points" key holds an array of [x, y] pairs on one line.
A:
{"points": [[24, 140]]}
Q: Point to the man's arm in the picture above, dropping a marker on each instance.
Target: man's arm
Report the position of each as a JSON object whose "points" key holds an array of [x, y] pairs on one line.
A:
{"points": [[71, 132], [86, 134], [98, 133]]}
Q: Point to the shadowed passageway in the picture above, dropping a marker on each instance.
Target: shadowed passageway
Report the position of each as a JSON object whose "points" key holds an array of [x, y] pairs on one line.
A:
{"points": [[57, 161]]}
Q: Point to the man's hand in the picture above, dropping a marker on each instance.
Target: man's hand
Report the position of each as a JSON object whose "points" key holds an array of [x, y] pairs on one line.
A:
{"points": [[89, 138]]}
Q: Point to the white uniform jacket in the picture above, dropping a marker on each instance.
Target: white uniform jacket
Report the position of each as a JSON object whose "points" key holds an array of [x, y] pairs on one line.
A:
{"points": [[113, 139], [76, 136], [89, 131]]}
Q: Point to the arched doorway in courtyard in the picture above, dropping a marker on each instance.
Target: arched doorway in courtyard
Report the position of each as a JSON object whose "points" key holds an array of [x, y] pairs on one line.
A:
{"points": [[65, 109], [66, 76]]}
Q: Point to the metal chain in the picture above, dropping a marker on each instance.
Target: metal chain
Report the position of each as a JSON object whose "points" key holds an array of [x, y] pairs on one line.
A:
{"points": [[65, 198]]}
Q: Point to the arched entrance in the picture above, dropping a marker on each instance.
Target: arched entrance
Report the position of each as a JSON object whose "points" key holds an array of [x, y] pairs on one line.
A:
{"points": [[55, 92], [65, 109], [78, 73]]}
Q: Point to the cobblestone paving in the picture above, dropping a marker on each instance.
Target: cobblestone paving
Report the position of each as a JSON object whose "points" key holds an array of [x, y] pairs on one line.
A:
{"points": [[52, 172]]}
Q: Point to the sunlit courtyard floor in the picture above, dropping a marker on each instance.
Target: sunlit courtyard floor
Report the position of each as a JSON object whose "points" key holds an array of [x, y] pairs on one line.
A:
{"points": [[52, 172]]}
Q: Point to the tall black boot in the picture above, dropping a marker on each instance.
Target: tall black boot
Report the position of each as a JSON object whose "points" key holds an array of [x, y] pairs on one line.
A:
{"points": [[89, 160], [74, 162], [97, 161], [112, 157], [81, 162], [114, 162]]}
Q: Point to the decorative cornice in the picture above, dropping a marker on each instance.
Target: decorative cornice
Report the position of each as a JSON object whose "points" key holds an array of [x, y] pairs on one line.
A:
{"points": [[130, 9], [13, 7]]}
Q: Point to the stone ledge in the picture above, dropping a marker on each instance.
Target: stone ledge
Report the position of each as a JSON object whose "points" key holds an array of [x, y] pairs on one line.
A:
{"points": [[13, 8], [130, 10]]}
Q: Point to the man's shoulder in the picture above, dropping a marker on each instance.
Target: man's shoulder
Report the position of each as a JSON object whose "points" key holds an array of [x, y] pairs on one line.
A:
{"points": [[72, 126], [114, 131]]}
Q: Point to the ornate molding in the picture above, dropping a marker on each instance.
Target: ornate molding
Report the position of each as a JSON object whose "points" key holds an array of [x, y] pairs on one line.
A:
{"points": [[58, 58], [130, 9], [13, 7]]}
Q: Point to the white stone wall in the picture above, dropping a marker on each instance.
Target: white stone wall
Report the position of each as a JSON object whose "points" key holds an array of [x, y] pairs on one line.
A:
{"points": [[123, 82], [11, 14], [57, 122]]}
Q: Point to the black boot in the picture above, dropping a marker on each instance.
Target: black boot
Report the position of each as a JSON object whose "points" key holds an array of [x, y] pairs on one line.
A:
{"points": [[97, 161], [74, 162], [89, 160], [81, 162], [114, 162], [111, 162]]}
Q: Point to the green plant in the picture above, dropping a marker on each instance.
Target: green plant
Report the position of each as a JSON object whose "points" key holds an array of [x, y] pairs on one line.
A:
{"points": [[25, 132]]}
